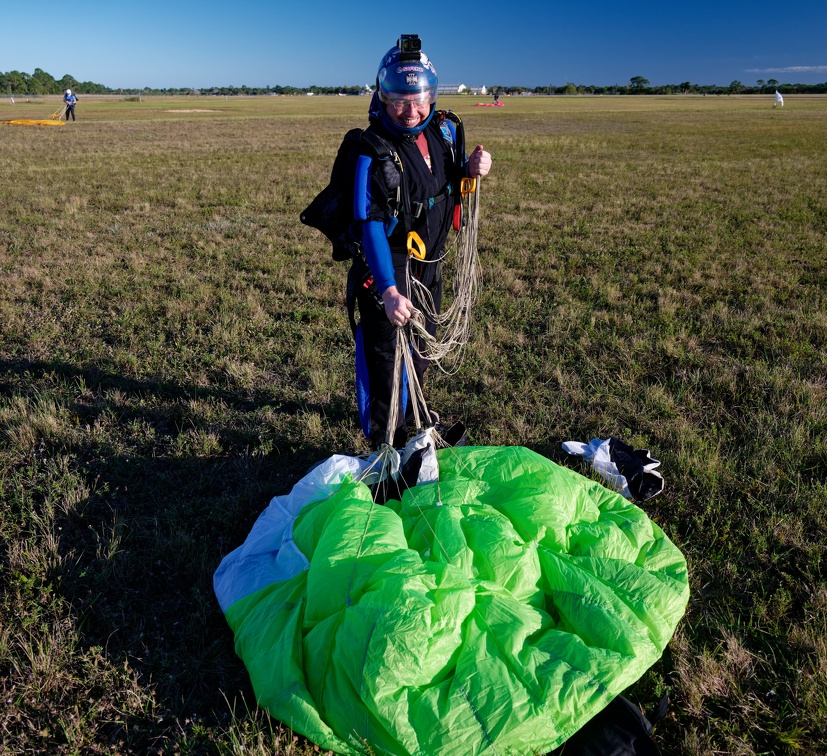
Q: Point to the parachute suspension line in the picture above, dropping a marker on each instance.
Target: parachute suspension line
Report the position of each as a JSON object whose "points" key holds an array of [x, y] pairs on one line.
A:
{"points": [[377, 467], [418, 403], [404, 358], [348, 600], [461, 463], [412, 495], [396, 390], [455, 322], [388, 458]]}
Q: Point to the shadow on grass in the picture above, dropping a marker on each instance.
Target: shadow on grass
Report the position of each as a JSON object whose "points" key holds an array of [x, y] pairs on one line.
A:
{"points": [[100, 380], [138, 552]]}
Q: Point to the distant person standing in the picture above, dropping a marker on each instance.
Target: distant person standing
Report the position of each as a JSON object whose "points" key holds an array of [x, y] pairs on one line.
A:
{"points": [[69, 99], [496, 97]]}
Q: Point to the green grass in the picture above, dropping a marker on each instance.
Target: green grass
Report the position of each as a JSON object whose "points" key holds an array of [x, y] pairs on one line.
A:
{"points": [[174, 351]]}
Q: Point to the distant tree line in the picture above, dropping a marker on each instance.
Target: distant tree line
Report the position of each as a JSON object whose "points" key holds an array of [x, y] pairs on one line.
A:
{"points": [[638, 85], [42, 83]]}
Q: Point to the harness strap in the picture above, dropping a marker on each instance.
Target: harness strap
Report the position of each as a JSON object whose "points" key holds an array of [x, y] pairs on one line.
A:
{"points": [[407, 209], [441, 196], [384, 152], [350, 298], [359, 277]]}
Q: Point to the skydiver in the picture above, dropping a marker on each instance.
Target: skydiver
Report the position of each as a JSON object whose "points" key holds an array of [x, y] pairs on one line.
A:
{"points": [[403, 113]]}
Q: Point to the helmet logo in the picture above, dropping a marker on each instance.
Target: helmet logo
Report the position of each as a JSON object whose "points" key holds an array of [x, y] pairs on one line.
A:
{"points": [[411, 79]]}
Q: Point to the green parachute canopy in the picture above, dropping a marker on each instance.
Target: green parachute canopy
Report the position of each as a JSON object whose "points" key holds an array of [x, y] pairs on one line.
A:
{"points": [[494, 611]]}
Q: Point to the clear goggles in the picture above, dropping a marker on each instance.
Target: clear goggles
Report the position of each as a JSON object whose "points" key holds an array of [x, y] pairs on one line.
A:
{"points": [[402, 103]]}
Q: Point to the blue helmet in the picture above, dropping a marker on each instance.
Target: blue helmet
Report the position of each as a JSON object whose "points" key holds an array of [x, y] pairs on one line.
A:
{"points": [[406, 73]]}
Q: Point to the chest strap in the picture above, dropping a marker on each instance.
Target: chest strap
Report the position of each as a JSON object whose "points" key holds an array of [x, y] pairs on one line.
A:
{"points": [[441, 196]]}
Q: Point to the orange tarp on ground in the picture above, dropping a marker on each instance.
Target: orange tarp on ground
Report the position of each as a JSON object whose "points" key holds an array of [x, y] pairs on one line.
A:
{"points": [[29, 122]]}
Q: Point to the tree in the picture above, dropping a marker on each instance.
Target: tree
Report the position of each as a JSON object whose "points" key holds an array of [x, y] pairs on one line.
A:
{"points": [[43, 83], [638, 83], [736, 86], [772, 83], [68, 82], [15, 82], [761, 83], [686, 86]]}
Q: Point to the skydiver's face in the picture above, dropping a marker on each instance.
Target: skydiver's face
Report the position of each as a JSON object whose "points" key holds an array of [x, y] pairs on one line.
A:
{"points": [[408, 113]]}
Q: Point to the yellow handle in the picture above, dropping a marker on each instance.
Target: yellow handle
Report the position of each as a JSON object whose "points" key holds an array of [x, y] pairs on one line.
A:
{"points": [[416, 247], [467, 186]]}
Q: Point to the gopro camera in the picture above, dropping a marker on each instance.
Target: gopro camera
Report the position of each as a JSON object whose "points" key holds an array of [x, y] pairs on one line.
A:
{"points": [[410, 46]]}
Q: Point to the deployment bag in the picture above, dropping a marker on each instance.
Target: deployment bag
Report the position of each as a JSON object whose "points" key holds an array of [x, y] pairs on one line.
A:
{"points": [[621, 729], [331, 212]]}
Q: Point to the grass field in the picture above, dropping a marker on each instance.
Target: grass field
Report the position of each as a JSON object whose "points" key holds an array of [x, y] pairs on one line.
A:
{"points": [[174, 351]]}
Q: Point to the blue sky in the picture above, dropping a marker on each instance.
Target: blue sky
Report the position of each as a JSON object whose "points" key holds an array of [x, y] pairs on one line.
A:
{"points": [[180, 43]]}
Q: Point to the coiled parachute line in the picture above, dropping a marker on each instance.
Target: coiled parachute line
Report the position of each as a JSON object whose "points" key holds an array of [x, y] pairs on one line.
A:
{"points": [[454, 323]]}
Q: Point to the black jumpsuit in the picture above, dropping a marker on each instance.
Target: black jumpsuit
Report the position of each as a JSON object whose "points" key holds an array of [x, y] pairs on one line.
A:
{"points": [[427, 188]]}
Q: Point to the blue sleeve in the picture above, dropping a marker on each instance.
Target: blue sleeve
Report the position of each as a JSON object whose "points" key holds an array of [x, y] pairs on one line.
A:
{"points": [[374, 239], [361, 188], [378, 254]]}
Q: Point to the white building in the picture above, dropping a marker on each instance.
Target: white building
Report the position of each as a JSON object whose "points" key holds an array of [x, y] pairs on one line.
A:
{"points": [[446, 89]]}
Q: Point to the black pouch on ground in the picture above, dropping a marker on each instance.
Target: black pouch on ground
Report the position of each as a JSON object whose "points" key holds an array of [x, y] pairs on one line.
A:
{"points": [[621, 729], [456, 435], [637, 466]]}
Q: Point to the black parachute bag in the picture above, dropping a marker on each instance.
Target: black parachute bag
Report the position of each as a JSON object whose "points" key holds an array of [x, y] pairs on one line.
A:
{"points": [[331, 212], [621, 729]]}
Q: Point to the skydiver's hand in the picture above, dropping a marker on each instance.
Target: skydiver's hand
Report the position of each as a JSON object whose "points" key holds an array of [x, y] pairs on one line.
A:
{"points": [[479, 163], [398, 308]]}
